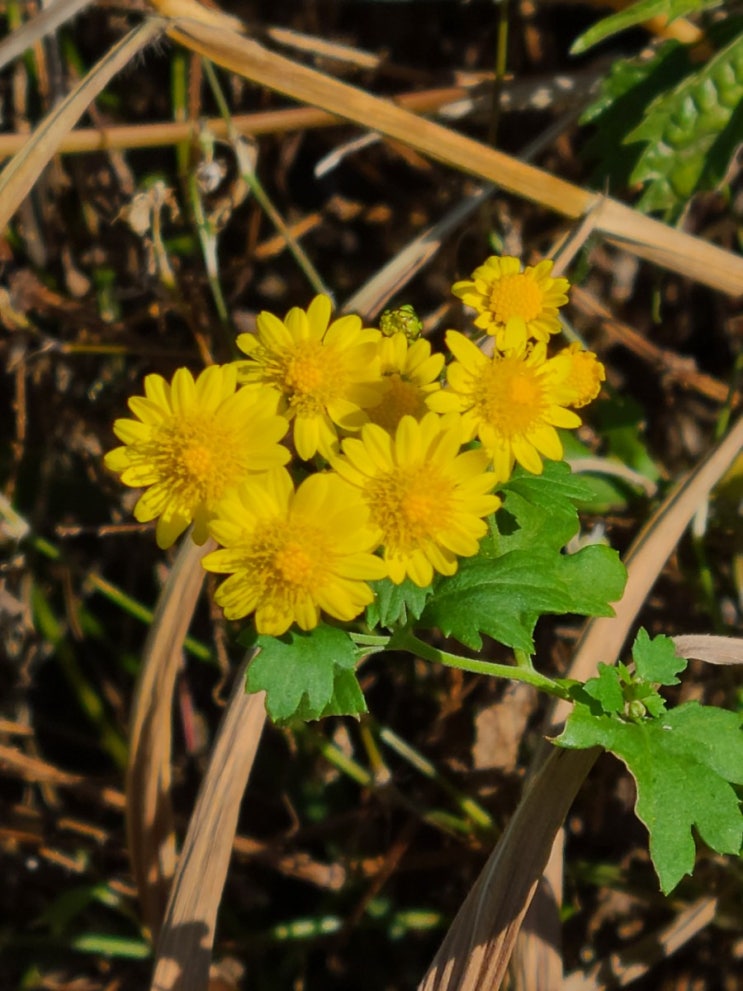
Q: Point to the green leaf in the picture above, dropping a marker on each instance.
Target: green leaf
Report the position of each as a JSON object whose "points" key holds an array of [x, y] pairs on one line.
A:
{"points": [[629, 88], [541, 508], [594, 577], [637, 13], [505, 597], [502, 597], [618, 691], [307, 675], [684, 763], [606, 689], [347, 699], [656, 660], [395, 603], [691, 132]]}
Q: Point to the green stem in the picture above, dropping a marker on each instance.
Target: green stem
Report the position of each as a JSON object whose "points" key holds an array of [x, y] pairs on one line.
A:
{"points": [[406, 640], [501, 61], [723, 420], [370, 640], [523, 660], [251, 179], [208, 239], [467, 805]]}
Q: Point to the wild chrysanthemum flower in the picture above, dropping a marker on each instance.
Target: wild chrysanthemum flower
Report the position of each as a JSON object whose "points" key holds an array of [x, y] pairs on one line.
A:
{"points": [[410, 373], [576, 376], [289, 554], [191, 442], [326, 376], [512, 305], [425, 497], [512, 402]]}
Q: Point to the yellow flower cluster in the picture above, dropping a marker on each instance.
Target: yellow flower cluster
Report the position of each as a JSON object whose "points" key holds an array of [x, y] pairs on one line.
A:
{"points": [[392, 486]]}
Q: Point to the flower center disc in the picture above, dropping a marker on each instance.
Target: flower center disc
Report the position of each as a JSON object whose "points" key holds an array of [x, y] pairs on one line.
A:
{"points": [[198, 462], [400, 398], [511, 396], [312, 376], [516, 296], [294, 565], [410, 506]]}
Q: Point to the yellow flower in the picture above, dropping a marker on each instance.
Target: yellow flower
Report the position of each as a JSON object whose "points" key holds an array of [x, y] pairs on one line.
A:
{"points": [[512, 305], [326, 376], [427, 499], [289, 554], [410, 373], [576, 376], [512, 402], [191, 442]]}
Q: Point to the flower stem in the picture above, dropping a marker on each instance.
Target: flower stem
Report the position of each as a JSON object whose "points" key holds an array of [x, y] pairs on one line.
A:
{"points": [[370, 640], [406, 640]]}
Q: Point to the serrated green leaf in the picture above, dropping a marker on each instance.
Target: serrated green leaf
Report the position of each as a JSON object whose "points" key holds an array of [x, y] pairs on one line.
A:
{"points": [[306, 675], [395, 603], [654, 703], [502, 598], [347, 699], [626, 92], [656, 660], [505, 597], [543, 508], [691, 132], [684, 763], [595, 577], [606, 688], [557, 484], [635, 14]]}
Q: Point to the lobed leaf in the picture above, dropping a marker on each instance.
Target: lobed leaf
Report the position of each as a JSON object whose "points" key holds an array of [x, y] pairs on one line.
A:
{"points": [[684, 763], [542, 508], [307, 675], [395, 603], [691, 132], [505, 597], [606, 689], [657, 659]]}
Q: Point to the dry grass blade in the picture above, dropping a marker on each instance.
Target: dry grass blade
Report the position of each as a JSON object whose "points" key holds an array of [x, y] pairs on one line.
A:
{"points": [[184, 948], [149, 813], [369, 299], [168, 132], [642, 235], [477, 948], [42, 24], [713, 650], [623, 968], [21, 172], [536, 961]]}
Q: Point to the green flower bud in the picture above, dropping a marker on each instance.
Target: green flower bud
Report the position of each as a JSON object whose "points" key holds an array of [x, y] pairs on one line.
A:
{"points": [[635, 709], [401, 320]]}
